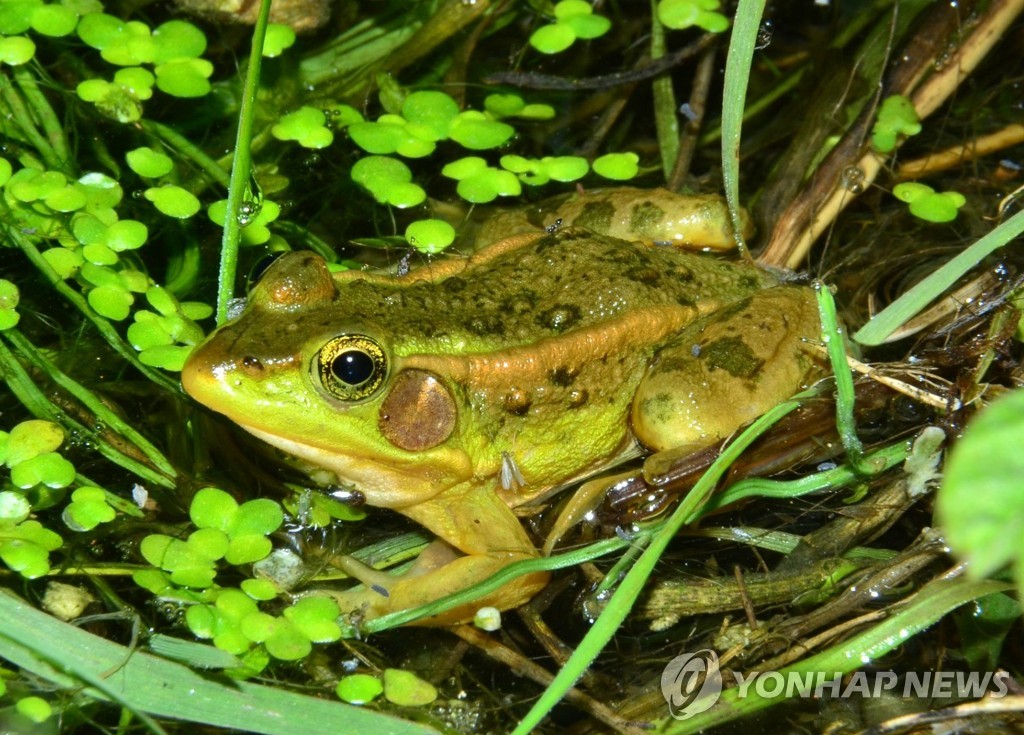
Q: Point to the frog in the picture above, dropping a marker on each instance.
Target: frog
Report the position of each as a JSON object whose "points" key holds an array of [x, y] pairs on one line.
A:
{"points": [[464, 390]]}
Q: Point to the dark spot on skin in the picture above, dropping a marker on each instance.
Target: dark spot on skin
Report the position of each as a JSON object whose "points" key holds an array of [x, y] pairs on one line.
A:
{"points": [[645, 219], [559, 317], [732, 310], [732, 355], [682, 274], [686, 301], [659, 408], [454, 284], [750, 282], [252, 364], [626, 256], [644, 274], [561, 237], [563, 376], [516, 402], [521, 302], [596, 216], [672, 363], [485, 325], [578, 398]]}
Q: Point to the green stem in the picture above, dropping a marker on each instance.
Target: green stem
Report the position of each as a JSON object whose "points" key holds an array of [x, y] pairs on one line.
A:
{"points": [[105, 328], [189, 150], [240, 171], [913, 301], [845, 397], [44, 114], [875, 462], [90, 401], [28, 393], [23, 119], [666, 120], [746, 24]]}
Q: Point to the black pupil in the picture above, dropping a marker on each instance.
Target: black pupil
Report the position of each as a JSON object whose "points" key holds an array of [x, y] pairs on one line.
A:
{"points": [[352, 367]]}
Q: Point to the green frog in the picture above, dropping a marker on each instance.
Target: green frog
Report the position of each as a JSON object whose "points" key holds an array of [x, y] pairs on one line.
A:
{"points": [[468, 387]]}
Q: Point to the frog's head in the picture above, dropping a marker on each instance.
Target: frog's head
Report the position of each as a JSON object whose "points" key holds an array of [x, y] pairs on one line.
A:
{"points": [[303, 370]]}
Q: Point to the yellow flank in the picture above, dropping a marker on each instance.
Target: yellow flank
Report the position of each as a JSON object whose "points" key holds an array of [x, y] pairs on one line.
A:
{"points": [[475, 385]]}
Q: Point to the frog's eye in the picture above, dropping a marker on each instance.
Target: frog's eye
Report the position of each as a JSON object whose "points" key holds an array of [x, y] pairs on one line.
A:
{"points": [[351, 366]]}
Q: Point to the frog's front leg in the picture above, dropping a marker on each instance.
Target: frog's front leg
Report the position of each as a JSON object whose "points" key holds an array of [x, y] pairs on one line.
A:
{"points": [[473, 520], [727, 369]]}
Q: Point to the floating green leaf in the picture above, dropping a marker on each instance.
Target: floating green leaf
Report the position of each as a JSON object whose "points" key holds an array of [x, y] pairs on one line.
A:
{"points": [[279, 37], [316, 618], [14, 508], [126, 234], [927, 204], [120, 100], [552, 38], [432, 110], [255, 232], [35, 709], [480, 183], [184, 77], [65, 199], [16, 15], [149, 163], [177, 40], [306, 126], [213, 508], [173, 200], [896, 117], [113, 302], [49, 469], [54, 20], [391, 134], [573, 19], [406, 689], [538, 172], [680, 14], [88, 509], [579, 16], [389, 180], [359, 688], [16, 50], [8, 303], [617, 166], [30, 439], [430, 235], [474, 130]]}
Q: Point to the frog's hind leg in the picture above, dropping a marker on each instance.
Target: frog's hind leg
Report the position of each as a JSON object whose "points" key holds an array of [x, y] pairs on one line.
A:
{"points": [[727, 369], [484, 530]]}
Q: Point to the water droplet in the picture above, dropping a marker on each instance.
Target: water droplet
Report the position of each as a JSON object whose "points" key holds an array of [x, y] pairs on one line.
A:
{"points": [[852, 179]]}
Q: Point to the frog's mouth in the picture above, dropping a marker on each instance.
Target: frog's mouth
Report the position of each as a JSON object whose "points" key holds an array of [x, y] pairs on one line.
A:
{"points": [[387, 482]]}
